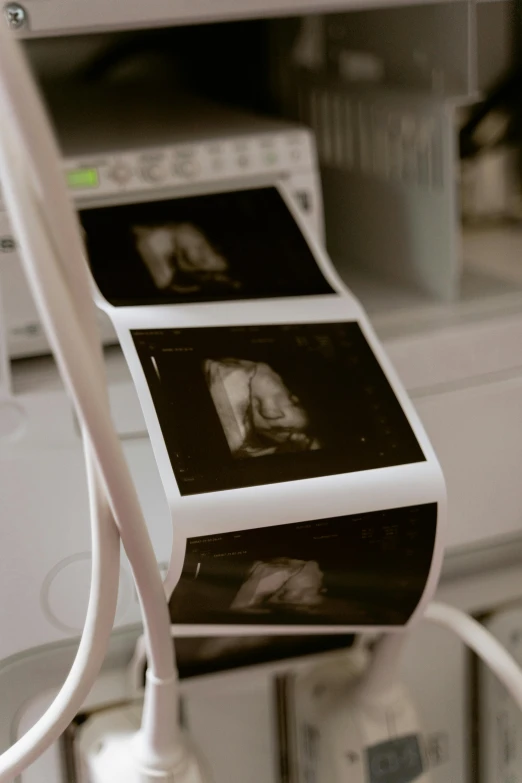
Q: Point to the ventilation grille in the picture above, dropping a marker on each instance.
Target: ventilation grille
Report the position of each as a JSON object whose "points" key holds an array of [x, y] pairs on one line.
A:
{"points": [[362, 135]]}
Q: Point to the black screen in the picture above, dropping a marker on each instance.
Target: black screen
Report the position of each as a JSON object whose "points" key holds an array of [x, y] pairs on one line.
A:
{"points": [[223, 246]]}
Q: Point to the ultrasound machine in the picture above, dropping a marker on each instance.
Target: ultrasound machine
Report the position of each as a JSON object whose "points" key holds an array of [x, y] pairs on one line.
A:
{"points": [[343, 589]]}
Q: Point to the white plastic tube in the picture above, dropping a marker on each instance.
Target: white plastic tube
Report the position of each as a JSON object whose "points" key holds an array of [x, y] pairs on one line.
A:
{"points": [[483, 643], [94, 641], [44, 219], [80, 373], [47, 231], [5, 365], [105, 559], [384, 666], [383, 671]]}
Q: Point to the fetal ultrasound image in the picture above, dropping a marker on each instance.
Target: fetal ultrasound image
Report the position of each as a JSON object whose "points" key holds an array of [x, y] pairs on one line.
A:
{"points": [[365, 569], [254, 405], [259, 414], [237, 245]]}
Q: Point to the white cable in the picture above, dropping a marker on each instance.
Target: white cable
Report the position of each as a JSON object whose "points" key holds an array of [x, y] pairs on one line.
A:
{"points": [[5, 363], [385, 663], [483, 643], [22, 107], [95, 637], [45, 263], [101, 606], [91, 650], [105, 558], [80, 375]]}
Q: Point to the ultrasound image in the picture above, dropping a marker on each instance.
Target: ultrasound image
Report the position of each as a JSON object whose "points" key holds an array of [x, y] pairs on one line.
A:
{"points": [[255, 405], [364, 569], [222, 246], [258, 413]]}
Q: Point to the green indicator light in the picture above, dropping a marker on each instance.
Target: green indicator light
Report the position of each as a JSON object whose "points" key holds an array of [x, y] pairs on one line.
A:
{"points": [[82, 178]]}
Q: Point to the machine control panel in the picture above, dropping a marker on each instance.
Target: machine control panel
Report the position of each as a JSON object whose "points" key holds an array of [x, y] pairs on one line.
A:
{"points": [[177, 165]]}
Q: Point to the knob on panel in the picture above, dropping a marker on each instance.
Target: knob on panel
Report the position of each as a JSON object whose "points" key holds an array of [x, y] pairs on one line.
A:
{"points": [[120, 173], [154, 172], [188, 168]]}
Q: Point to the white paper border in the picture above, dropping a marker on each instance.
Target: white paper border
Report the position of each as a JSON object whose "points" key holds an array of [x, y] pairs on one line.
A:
{"points": [[291, 501]]}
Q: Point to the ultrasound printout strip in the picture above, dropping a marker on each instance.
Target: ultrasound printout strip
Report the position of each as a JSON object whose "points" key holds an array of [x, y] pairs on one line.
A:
{"points": [[304, 493], [210, 248]]}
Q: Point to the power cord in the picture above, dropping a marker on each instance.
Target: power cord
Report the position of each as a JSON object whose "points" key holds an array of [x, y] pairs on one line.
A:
{"points": [[52, 253], [483, 643]]}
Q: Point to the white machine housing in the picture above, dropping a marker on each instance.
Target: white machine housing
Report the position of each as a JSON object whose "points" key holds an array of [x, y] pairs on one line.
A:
{"points": [[59, 17]]}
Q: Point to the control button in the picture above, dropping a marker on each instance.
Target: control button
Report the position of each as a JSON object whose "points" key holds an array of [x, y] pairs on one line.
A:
{"points": [[120, 173], [154, 172], [295, 154], [271, 158], [242, 161], [186, 168]]}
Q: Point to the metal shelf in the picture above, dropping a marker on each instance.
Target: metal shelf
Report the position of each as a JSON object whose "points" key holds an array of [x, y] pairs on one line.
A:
{"points": [[63, 17]]}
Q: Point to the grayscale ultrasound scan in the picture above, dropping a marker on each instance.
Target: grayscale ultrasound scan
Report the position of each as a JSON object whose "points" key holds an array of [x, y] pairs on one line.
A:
{"points": [[364, 569], [264, 404], [211, 248]]}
